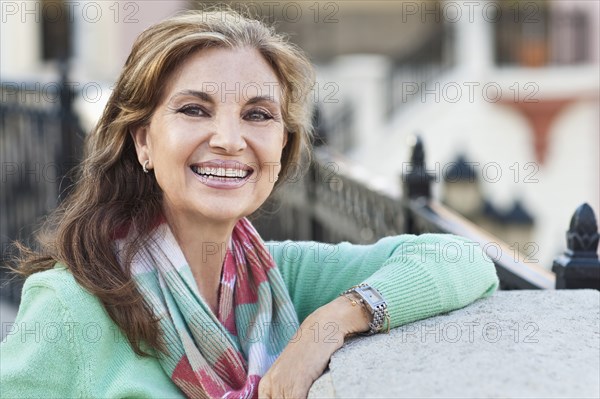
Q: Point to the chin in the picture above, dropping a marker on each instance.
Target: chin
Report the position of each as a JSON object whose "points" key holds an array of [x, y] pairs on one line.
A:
{"points": [[224, 215]]}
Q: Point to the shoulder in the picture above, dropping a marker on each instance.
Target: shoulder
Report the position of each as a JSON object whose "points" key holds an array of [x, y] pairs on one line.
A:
{"points": [[58, 276], [55, 303], [60, 284], [53, 299]]}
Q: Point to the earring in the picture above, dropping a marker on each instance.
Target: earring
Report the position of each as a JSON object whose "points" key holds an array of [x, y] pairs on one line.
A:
{"points": [[144, 168]]}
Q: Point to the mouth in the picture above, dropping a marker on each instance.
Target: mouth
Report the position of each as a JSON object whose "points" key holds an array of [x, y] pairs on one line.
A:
{"points": [[222, 171]]}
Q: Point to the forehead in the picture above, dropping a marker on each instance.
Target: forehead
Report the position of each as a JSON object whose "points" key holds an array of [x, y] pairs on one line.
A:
{"points": [[228, 73]]}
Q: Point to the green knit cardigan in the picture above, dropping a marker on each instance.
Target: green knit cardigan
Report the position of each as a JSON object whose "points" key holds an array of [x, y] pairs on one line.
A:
{"points": [[63, 344]]}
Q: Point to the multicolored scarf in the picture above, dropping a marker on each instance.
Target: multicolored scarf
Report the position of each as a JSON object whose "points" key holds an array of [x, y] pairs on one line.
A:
{"points": [[222, 355]]}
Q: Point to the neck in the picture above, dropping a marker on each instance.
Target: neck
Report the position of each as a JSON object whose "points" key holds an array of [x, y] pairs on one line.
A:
{"points": [[204, 245]]}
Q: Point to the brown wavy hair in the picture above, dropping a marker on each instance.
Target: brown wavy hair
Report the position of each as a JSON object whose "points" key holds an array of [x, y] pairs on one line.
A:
{"points": [[112, 191]]}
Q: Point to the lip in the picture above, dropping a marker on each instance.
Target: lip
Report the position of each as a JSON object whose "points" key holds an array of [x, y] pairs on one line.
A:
{"points": [[222, 183]]}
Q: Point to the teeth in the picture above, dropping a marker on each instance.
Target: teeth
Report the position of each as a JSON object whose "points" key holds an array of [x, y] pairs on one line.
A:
{"points": [[220, 172]]}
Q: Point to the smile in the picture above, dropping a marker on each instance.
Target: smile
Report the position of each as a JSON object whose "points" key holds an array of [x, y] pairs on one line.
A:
{"points": [[227, 173], [222, 174]]}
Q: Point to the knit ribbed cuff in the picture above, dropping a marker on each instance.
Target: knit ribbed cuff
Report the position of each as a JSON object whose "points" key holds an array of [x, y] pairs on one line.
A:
{"points": [[410, 292]]}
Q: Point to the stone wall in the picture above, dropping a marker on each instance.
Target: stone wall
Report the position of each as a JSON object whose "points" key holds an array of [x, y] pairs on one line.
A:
{"points": [[516, 344]]}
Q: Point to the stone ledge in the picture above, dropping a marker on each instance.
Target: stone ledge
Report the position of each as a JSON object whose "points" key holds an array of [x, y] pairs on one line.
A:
{"points": [[515, 344]]}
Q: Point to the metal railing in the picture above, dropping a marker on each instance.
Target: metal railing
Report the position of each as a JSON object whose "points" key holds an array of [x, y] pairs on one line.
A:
{"points": [[41, 141], [332, 203]]}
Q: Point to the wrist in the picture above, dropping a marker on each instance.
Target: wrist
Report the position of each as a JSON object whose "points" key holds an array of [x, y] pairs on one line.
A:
{"points": [[374, 303], [349, 315]]}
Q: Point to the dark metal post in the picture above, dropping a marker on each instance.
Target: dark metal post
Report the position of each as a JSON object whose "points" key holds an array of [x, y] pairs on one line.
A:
{"points": [[312, 180], [579, 266], [416, 183], [69, 153]]}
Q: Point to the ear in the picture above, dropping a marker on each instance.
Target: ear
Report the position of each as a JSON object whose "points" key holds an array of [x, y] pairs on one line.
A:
{"points": [[140, 139]]}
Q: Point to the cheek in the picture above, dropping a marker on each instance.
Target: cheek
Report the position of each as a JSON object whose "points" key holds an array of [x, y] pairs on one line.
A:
{"points": [[272, 160], [171, 148], [267, 145], [170, 163]]}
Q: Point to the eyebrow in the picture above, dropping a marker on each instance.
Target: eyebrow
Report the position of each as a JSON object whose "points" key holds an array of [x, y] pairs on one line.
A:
{"points": [[195, 93], [259, 99], [209, 98]]}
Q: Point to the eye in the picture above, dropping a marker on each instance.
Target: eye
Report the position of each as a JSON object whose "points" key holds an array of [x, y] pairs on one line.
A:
{"points": [[193, 110], [258, 115]]}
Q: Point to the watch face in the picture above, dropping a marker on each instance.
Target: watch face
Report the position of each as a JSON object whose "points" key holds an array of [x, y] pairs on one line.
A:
{"points": [[372, 296]]}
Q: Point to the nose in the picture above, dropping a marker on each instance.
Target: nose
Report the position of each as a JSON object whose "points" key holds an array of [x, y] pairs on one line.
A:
{"points": [[227, 135]]}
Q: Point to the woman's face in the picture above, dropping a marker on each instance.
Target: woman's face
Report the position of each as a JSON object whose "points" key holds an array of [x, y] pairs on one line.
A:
{"points": [[215, 140]]}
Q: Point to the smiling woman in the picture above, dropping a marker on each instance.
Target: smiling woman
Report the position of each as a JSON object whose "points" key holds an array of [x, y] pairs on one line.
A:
{"points": [[214, 156], [153, 252]]}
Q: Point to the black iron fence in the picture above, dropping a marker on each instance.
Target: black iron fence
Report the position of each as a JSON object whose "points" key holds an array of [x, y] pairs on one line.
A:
{"points": [[333, 202], [40, 143], [329, 203]]}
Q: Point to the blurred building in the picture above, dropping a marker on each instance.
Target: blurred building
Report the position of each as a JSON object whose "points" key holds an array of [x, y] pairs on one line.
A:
{"points": [[511, 85]]}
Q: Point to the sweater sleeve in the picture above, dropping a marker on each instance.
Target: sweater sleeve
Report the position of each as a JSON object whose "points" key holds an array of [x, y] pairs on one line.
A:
{"points": [[419, 276], [39, 357]]}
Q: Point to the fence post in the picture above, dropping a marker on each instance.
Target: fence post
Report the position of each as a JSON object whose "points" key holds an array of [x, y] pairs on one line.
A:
{"points": [[416, 183], [312, 180], [69, 153], [579, 266]]}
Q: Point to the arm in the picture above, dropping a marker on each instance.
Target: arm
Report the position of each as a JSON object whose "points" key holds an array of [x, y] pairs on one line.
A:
{"points": [[419, 276], [40, 356]]}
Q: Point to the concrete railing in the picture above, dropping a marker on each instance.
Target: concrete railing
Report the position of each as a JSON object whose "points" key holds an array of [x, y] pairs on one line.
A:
{"points": [[515, 344]]}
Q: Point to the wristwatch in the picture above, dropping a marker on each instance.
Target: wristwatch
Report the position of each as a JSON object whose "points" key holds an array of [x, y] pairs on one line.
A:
{"points": [[375, 305]]}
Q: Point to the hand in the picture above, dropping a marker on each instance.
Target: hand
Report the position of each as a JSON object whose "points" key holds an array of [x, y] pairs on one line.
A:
{"points": [[308, 352]]}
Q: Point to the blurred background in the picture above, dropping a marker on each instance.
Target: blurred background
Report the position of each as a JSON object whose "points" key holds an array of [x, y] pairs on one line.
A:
{"points": [[503, 94]]}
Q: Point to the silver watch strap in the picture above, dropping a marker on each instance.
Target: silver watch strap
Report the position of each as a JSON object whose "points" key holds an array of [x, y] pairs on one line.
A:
{"points": [[379, 313]]}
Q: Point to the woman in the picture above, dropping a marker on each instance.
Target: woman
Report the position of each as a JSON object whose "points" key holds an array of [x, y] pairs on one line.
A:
{"points": [[151, 282]]}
